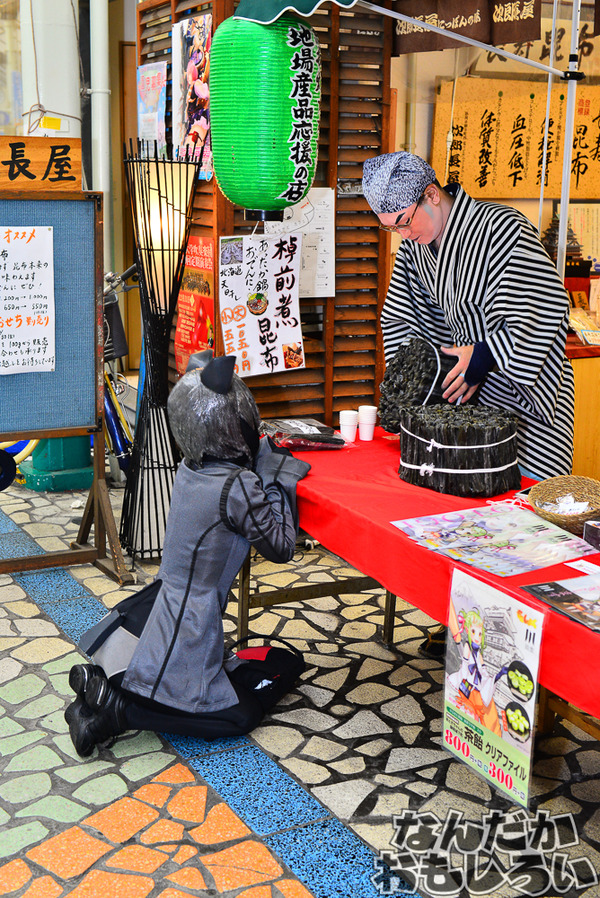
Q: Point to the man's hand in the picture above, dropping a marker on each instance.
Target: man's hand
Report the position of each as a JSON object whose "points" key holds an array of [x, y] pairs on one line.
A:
{"points": [[454, 385]]}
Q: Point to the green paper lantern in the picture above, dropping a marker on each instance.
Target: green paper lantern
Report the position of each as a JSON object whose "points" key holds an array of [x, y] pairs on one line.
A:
{"points": [[265, 91]]}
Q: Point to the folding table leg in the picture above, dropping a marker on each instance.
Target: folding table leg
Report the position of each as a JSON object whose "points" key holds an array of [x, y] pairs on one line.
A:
{"points": [[389, 616], [243, 598]]}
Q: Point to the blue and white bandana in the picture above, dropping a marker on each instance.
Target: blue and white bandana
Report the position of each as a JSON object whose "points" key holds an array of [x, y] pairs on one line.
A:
{"points": [[395, 181]]}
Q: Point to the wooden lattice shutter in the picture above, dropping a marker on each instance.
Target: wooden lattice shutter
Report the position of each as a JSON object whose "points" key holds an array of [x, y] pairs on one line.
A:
{"points": [[342, 341]]}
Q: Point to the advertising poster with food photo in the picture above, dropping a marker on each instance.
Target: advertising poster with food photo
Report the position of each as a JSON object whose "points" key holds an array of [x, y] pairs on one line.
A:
{"points": [[492, 660], [195, 304], [259, 304]]}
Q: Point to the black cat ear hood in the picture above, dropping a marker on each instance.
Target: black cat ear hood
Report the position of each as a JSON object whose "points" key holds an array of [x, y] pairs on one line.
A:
{"points": [[213, 413]]}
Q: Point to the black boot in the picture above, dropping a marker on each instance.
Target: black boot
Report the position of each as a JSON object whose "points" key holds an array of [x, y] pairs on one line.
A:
{"points": [[77, 707], [435, 644], [106, 719], [81, 674]]}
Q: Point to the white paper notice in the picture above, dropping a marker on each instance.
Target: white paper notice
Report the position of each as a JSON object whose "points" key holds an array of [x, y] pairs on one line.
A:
{"points": [[314, 218], [27, 315]]}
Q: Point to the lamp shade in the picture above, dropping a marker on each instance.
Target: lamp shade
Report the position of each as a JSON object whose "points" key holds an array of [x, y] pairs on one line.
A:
{"points": [[265, 91], [161, 195]]}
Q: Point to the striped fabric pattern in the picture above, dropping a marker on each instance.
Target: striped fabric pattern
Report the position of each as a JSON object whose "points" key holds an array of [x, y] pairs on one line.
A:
{"points": [[492, 280]]}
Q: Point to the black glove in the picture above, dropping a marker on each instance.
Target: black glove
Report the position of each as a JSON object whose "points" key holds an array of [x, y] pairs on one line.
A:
{"points": [[278, 450], [482, 362]]}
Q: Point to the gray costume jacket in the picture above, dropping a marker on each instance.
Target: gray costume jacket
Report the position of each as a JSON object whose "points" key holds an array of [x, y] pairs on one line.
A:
{"points": [[217, 512]]}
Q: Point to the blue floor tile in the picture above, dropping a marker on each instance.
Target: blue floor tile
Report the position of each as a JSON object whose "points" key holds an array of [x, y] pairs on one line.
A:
{"points": [[74, 616], [258, 790], [332, 862], [6, 525], [192, 747], [18, 545], [50, 584]]}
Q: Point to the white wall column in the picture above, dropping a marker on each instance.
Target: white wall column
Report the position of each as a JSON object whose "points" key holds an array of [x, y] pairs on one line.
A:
{"points": [[100, 96], [50, 69]]}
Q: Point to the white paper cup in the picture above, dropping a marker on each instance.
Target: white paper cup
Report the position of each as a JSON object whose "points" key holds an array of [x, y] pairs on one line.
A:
{"points": [[365, 430], [348, 431], [348, 422], [367, 414]]}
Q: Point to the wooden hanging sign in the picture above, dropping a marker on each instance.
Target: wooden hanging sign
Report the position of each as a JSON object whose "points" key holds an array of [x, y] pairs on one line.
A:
{"points": [[496, 131], [29, 164]]}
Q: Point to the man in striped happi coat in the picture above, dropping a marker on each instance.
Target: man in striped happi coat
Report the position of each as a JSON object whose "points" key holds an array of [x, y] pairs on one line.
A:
{"points": [[473, 278]]}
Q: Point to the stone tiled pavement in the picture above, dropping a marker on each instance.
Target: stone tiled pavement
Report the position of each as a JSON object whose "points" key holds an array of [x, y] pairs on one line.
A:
{"points": [[296, 809]]}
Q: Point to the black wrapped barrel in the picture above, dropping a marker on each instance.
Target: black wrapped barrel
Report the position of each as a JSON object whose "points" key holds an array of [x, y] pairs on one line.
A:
{"points": [[468, 450], [413, 377]]}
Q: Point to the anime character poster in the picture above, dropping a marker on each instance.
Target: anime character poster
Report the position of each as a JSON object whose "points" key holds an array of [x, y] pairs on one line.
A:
{"points": [[492, 660], [196, 302], [151, 105], [191, 114]]}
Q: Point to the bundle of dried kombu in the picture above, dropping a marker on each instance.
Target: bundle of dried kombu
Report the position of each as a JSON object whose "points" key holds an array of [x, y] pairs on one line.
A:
{"points": [[468, 450], [413, 377]]}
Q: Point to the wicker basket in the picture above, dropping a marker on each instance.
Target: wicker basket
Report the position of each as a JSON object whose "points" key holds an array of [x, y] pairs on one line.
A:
{"points": [[583, 489]]}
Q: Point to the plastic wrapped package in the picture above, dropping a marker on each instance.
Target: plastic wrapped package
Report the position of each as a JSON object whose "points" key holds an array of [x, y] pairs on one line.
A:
{"points": [[302, 433]]}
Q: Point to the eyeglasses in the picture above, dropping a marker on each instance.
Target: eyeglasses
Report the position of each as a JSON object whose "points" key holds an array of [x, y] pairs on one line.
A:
{"points": [[406, 225]]}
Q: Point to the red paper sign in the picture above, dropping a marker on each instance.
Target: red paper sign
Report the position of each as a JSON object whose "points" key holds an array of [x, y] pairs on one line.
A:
{"points": [[195, 305]]}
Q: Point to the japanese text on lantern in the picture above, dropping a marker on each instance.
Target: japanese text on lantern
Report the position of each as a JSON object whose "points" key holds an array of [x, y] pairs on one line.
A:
{"points": [[27, 320], [305, 91], [260, 316]]}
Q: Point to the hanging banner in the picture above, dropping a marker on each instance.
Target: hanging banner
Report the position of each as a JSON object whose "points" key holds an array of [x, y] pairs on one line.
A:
{"points": [[497, 129], [27, 317], [488, 21], [191, 39], [151, 104], [492, 660], [258, 298], [491, 63], [195, 303]]}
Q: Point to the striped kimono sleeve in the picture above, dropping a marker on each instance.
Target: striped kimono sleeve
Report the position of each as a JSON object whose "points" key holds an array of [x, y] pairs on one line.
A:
{"points": [[408, 310]]}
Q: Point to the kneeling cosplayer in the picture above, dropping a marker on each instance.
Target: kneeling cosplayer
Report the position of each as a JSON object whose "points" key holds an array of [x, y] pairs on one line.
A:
{"points": [[159, 659]]}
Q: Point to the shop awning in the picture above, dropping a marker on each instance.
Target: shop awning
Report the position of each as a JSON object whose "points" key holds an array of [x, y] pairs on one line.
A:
{"points": [[264, 12]]}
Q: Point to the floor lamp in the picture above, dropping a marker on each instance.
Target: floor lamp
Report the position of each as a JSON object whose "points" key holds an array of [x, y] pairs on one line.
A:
{"points": [[161, 194]]}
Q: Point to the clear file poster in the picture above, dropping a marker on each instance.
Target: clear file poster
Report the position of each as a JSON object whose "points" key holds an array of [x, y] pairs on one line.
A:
{"points": [[27, 312], [191, 39], [151, 104], [259, 302], [492, 660], [501, 538]]}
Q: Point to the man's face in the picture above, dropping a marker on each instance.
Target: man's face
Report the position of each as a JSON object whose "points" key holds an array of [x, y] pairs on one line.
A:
{"points": [[421, 221]]}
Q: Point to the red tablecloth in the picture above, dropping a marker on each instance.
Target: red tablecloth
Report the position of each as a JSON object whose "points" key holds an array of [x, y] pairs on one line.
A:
{"points": [[347, 502]]}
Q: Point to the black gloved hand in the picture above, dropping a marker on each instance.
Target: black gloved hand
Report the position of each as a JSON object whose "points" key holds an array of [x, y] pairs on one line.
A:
{"points": [[278, 450]]}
